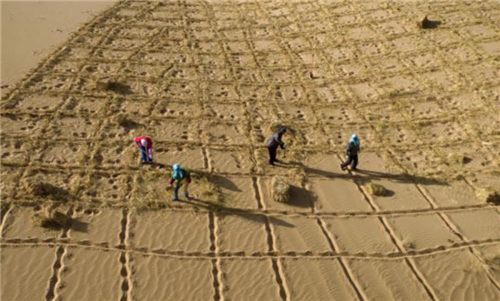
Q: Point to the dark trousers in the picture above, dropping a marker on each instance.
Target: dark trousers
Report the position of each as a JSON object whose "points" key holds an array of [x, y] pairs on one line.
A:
{"points": [[272, 154], [351, 160], [178, 187]]}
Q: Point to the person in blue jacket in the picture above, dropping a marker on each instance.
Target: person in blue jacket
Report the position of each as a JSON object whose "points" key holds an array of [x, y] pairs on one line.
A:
{"points": [[352, 150], [180, 177]]}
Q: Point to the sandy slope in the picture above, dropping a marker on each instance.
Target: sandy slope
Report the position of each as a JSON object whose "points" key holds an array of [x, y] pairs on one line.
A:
{"points": [[208, 81], [31, 30]]}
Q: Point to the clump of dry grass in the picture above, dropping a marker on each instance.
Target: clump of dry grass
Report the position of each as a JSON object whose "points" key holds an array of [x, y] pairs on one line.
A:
{"points": [[376, 189], [121, 119], [113, 85], [124, 121], [298, 175], [41, 189], [382, 126], [488, 195], [425, 23], [46, 190], [410, 245], [459, 159], [149, 204], [51, 218], [210, 191], [280, 189]]}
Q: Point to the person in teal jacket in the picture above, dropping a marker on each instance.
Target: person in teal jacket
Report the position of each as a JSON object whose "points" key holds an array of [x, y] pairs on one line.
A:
{"points": [[352, 150], [180, 177]]}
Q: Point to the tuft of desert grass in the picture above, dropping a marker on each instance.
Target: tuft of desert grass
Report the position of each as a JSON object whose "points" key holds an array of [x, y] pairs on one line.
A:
{"points": [[124, 121], [112, 85], [409, 245], [488, 195], [298, 175], [376, 189], [47, 190], [458, 159], [426, 23], [210, 191], [51, 218]]}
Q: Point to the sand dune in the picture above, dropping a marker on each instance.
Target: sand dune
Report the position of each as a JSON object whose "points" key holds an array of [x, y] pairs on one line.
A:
{"points": [[209, 81]]}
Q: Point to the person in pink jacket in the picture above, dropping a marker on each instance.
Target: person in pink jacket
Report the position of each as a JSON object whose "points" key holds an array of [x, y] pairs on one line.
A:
{"points": [[145, 144]]}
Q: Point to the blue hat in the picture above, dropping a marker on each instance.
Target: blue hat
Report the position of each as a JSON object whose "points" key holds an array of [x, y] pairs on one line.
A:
{"points": [[355, 139]]}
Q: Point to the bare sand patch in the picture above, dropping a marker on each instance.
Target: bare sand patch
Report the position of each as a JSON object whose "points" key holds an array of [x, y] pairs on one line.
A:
{"points": [[384, 279], [467, 272], [259, 283], [414, 231], [193, 278], [325, 275], [347, 236], [170, 231], [254, 241], [33, 271], [50, 24], [100, 275]]}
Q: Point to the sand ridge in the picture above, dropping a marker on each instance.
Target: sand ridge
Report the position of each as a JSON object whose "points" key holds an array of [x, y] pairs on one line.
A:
{"points": [[208, 80]]}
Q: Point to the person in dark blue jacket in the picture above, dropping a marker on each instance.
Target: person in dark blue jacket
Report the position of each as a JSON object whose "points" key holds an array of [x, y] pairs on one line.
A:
{"points": [[273, 143], [352, 150]]}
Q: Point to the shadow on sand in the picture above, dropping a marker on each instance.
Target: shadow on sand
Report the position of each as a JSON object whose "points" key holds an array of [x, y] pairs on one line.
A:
{"points": [[301, 197], [364, 176], [78, 225], [246, 214], [58, 224], [223, 182]]}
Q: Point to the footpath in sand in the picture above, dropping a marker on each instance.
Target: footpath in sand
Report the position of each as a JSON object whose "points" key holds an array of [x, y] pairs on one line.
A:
{"points": [[208, 80]]}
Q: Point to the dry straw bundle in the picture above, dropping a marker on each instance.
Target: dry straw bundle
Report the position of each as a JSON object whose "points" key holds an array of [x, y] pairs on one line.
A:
{"points": [[280, 189], [47, 190], [210, 191], [111, 84], [376, 189], [488, 195], [51, 218]]}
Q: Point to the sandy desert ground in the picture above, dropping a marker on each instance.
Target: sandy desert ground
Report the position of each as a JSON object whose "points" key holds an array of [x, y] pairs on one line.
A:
{"points": [[208, 80], [25, 43]]}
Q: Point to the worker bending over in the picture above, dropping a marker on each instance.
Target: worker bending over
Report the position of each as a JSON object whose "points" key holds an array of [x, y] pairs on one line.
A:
{"points": [[145, 145], [273, 143], [352, 150], [180, 177]]}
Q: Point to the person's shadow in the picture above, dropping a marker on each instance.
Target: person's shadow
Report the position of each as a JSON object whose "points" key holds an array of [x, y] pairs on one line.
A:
{"points": [[364, 175], [223, 182], [398, 178], [243, 213]]}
